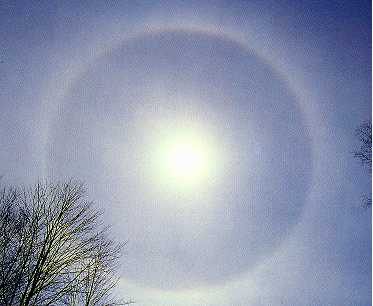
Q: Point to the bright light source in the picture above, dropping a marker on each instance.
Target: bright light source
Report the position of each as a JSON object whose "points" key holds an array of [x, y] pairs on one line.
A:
{"points": [[185, 160]]}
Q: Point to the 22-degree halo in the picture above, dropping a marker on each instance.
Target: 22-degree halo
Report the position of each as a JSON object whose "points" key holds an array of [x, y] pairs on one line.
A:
{"points": [[113, 110]]}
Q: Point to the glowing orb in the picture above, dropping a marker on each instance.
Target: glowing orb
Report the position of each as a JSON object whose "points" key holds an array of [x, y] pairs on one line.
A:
{"points": [[184, 158]]}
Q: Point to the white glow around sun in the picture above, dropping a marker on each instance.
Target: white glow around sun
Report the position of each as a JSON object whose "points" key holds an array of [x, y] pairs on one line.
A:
{"points": [[184, 158]]}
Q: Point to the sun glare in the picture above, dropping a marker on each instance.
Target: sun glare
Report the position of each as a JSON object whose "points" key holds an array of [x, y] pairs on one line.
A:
{"points": [[184, 159]]}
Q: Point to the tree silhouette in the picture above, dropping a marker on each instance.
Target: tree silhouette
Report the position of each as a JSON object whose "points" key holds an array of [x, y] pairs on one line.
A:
{"points": [[364, 134], [364, 154], [54, 249]]}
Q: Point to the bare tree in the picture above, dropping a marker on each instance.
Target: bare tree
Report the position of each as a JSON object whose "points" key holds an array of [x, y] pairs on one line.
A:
{"points": [[364, 134], [12, 246], [364, 154], [54, 249]]}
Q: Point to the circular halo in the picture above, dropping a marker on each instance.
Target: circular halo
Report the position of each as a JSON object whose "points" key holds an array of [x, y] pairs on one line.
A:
{"points": [[200, 275]]}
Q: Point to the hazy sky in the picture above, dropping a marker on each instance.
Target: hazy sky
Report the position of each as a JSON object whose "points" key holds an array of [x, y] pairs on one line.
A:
{"points": [[272, 92]]}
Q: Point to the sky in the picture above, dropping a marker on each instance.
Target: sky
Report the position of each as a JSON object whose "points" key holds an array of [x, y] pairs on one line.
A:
{"points": [[268, 93]]}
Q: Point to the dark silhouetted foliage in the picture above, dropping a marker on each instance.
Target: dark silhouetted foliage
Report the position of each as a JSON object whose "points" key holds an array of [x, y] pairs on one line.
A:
{"points": [[364, 133], [364, 154], [53, 248]]}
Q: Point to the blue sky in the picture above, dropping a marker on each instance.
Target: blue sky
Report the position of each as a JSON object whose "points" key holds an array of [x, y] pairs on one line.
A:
{"points": [[275, 89]]}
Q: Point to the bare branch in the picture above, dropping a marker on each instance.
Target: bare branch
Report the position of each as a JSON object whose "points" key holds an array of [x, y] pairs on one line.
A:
{"points": [[53, 248]]}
